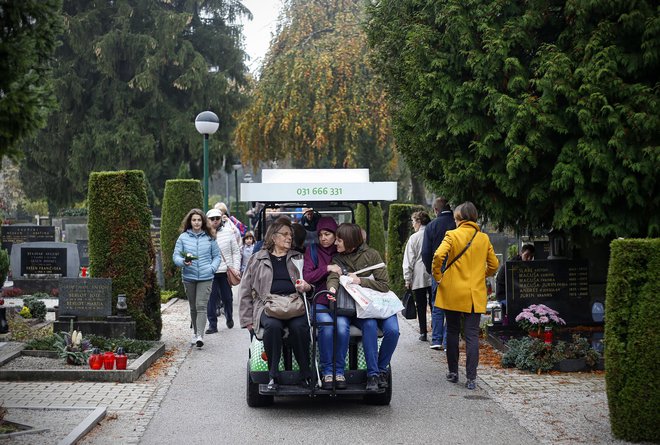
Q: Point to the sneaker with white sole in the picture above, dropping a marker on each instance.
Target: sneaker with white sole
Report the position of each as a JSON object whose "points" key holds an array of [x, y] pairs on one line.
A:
{"points": [[199, 342], [436, 347], [193, 340]]}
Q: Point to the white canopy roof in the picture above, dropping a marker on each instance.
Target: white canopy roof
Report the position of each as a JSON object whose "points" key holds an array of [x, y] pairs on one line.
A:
{"points": [[309, 185]]}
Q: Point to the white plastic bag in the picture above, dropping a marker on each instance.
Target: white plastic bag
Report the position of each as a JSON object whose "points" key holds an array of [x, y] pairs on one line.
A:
{"points": [[371, 303]]}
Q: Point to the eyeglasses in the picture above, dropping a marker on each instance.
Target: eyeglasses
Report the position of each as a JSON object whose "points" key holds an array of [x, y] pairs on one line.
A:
{"points": [[214, 218], [285, 234]]}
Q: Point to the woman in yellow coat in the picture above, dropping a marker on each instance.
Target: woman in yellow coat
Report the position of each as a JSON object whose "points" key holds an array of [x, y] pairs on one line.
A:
{"points": [[460, 266]]}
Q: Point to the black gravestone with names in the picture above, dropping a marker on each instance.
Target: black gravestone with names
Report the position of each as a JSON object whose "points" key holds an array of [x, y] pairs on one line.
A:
{"points": [[562, 285], [541, 250], [85, 297], [83, 252], [16, 234], [43, 261]]}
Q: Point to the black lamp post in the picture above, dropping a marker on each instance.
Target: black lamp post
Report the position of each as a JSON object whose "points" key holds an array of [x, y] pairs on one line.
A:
{"points": [[236, 167]]}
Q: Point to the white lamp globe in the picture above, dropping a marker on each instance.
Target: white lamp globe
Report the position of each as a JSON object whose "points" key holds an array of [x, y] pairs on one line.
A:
{"points": [[207, 122]]}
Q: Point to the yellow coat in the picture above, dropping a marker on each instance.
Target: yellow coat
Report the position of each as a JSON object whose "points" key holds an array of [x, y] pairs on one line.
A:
{"points": [[463, 286]]}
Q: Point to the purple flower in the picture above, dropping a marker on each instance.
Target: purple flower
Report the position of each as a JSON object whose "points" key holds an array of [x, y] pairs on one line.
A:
{"points": [[543, 319]]}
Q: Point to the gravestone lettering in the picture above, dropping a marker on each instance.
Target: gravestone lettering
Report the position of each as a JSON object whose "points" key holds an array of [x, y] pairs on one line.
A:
{"points": [[17, 234], [43, 261], [562, 285], [85, 297]]}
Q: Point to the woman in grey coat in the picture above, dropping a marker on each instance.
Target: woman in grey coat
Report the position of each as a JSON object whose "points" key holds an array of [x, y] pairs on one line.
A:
{"points": [[272, 271], [414, 272]]}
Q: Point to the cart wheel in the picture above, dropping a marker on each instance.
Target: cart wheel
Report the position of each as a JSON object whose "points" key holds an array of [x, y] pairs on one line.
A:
{"points": [[382, 398], [252, 396]]}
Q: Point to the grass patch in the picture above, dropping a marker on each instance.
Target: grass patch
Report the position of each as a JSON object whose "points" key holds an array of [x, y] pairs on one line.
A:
{"points": [[167, 295]]}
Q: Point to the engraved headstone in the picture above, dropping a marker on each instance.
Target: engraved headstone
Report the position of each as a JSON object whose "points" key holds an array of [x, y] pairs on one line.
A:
{"points": [[45, 258], [562, 285], [17, 234], [85, 297]]}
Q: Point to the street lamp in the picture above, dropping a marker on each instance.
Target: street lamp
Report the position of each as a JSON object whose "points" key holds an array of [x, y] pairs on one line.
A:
{"points": [[236, 167], [206, 123]]}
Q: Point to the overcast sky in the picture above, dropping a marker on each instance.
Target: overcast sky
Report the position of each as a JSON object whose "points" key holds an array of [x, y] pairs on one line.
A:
{"points": [[258, 31]]}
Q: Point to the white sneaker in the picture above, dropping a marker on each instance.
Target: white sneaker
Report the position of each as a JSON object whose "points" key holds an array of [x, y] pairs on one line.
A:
{"points": [[199, 342], [193, 340]]}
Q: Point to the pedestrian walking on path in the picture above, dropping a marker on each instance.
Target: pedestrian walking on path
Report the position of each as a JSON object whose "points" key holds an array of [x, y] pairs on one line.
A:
{"points": [[460, 266], [197, 253]]}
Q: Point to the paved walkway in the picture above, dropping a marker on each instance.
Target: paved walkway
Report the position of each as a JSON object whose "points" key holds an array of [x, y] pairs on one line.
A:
{"points": [[564, 408]]}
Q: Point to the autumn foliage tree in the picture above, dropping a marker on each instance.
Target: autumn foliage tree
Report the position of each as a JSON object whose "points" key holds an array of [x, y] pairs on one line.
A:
{"points": [[317, 100], [544, 113]]}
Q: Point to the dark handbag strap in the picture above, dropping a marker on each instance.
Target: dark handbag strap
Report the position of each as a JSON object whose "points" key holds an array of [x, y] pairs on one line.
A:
{"points": [[462, 252]]}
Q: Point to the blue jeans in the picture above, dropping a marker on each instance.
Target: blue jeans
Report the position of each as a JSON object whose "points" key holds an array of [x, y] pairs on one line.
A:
{"points": [[378, 361], [438, 326], [325, 333]]}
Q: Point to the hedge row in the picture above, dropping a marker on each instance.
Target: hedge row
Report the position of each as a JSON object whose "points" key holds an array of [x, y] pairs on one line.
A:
{"points": [[179, 196], [399, 229], [377, 226], [632, 339], [120, 245]]}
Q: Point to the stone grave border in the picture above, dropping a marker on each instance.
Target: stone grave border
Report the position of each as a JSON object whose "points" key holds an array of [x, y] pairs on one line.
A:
{"points": [[136, 368], [88, 423]]}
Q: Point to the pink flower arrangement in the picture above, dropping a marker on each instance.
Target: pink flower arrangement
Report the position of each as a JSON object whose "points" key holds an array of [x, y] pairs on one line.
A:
{"points": [[537, 316]]}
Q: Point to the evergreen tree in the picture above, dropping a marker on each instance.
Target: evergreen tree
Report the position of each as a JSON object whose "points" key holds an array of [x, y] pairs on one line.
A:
{"points": [[28, 36], [544, 113], [131, 77], [317, 101]]}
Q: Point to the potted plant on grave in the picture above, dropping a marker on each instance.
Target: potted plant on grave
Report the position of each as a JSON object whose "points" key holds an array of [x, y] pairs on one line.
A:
{"points": [[535, 318], [72, 347], [576, 355]]}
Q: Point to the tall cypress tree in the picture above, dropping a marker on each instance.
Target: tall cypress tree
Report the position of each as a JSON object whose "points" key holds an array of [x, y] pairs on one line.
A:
{"points": [[544, 113], [131, 77]]}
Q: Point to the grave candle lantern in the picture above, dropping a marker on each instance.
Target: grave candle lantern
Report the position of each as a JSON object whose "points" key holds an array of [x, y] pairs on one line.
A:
{"points": [[96, 359], [121, 358], [547, 335], [109, 360]]}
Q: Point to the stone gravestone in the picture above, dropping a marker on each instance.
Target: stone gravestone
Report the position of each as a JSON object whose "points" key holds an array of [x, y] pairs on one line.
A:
{"points": [[17, 234], [83, 252], [541, 250], [85, 297], [37, 267], [562, 285], [85, 301]]}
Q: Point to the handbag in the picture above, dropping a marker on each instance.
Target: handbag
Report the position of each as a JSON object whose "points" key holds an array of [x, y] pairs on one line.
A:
{"points": [[283, 307], [409, 309], [233, 276], [345, 303]]}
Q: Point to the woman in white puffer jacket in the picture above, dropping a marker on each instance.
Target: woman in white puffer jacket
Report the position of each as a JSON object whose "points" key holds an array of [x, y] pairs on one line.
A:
{"points": [[230, 254]]}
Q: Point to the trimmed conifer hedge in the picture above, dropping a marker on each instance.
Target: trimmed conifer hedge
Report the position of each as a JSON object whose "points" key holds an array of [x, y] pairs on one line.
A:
{"points": [[399, 229], [4, 266], [632, 339], [377, 226], [120, 245], [179, 197]]}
